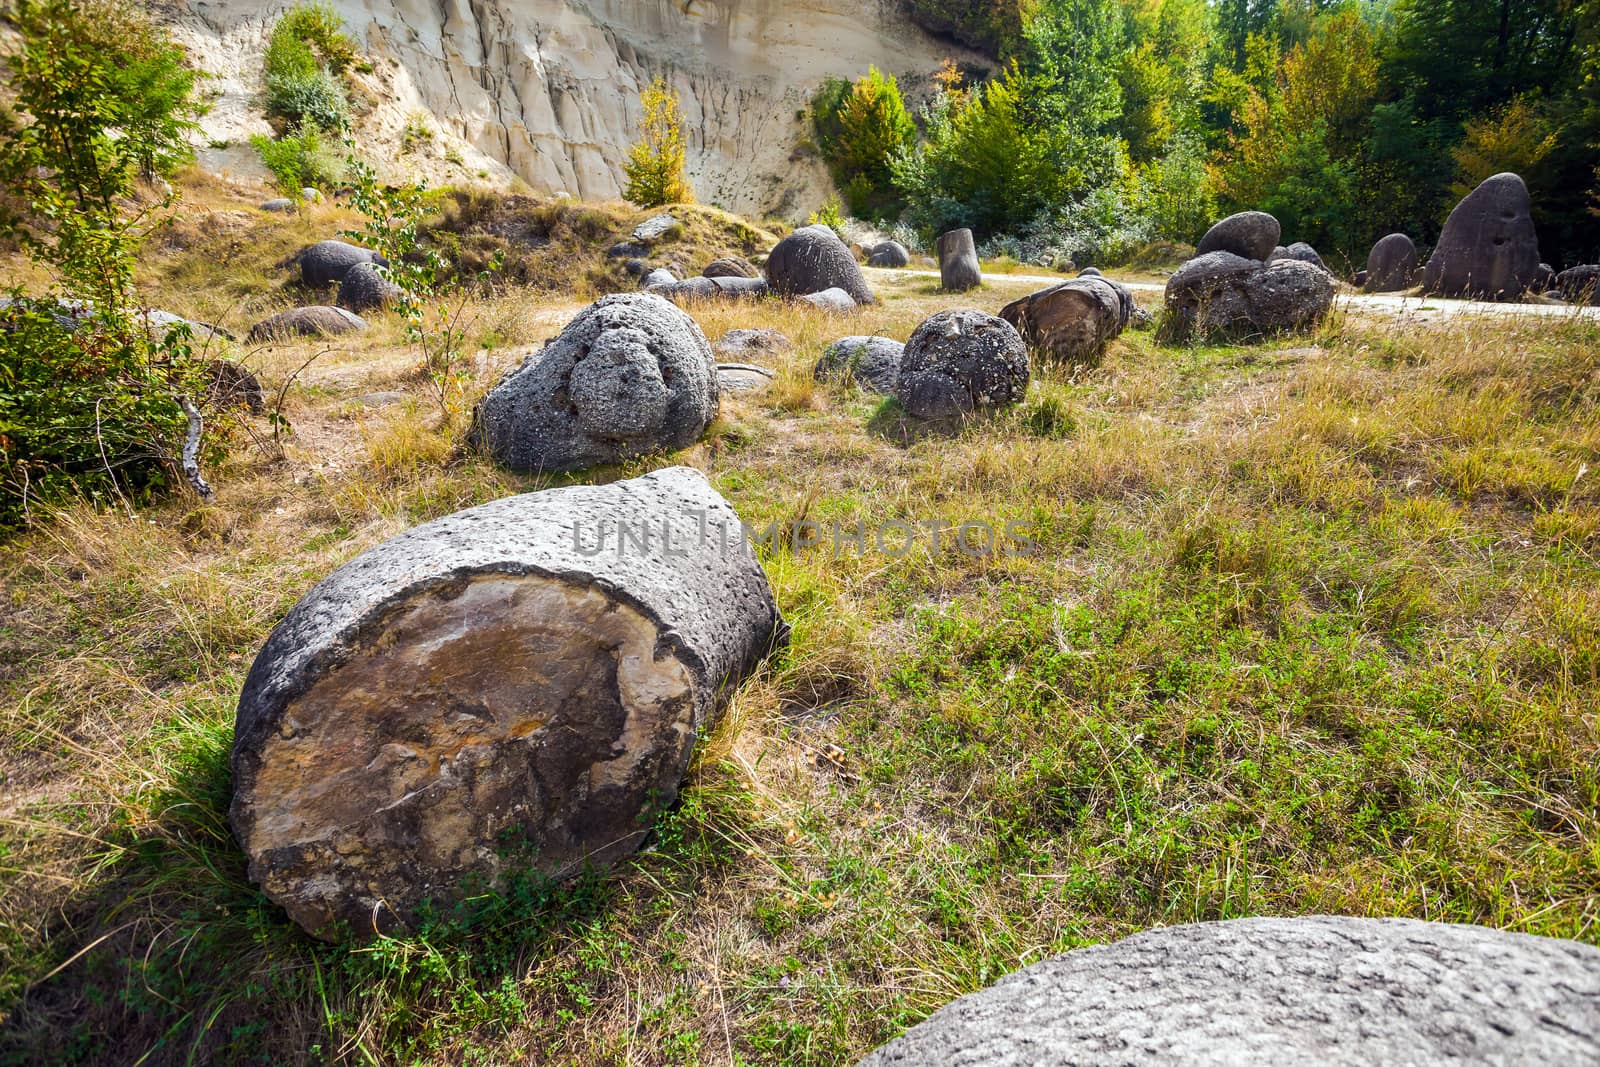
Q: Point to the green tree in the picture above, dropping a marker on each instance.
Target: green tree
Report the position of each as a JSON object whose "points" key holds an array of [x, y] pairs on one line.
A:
{"points": [[306, 56], [862, 130], [655, 166]]}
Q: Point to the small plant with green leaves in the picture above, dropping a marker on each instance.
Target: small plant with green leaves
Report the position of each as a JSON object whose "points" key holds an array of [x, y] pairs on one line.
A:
{"points": [[830, 214], [655, 166], [300, 161], [306, 58]]}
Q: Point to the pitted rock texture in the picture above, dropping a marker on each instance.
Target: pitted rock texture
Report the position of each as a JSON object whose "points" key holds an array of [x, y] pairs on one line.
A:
{"points": [[873, 363], [890, 254], [327, 261], [363, 288], [960, 361], [1391, 265], [1334, 992], [1224, 295], [1249, 234], [1074, 322], [513, 689], [812, 259], [958, 262], [316, 321], [1301, 251], [1489, 249], [736, 344]]}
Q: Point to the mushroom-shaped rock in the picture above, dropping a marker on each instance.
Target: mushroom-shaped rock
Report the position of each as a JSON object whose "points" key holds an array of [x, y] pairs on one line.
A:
{"points": [[1249, 235], [1073, 322], [364, 288], [1336, 992], [1224, 295], [958, 262], [836, 300], [959, 361], [873, 363], [731, 267], [1489, 249], [812, 259], [888, 254], [316, 321], [327, 261], [1580, 284], [1301, 251], [514, 689], [1391, 265], [632, 374]]}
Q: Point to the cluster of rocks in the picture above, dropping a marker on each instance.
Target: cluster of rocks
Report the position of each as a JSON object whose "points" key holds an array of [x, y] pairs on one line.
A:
{"points": [[1242, 284], [811, 265], [362, 287]]}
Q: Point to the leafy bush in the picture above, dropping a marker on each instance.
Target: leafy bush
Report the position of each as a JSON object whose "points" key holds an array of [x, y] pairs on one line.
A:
{"points": [[860, 127], [1104, 226], [831, 215], [306, 54], [300, 161]]}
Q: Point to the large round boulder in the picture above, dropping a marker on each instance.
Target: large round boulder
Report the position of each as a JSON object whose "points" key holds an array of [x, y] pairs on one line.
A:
{"points": [[316, 321], [509, 692], [1336, 992], [365, 288], [960, 361], [327, 261], [873, 363], [1249, 235], [1580, 285], [959, 270], [891, 254], [1227, 296], [812, 259], [1489, 249], [631, 375], [1074, 322], [1391, 265]]}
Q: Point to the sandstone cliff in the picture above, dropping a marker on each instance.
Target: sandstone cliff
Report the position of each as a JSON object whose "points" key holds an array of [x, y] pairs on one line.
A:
{"points": [[547, 90]]}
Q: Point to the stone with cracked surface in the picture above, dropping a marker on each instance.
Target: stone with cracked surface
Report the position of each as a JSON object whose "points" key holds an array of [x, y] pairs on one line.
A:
{"points": [[1074, 322], [631, 375], [960, 361], [1336, 992], [1223, 295], [513, 689]]}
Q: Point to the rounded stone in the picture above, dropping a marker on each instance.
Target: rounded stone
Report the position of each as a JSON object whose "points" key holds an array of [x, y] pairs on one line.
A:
{"points": [[281, 205], [364, 288], [1301, 251], [1072, 323], [509, 692], [960, 361], [1223, 295], [731, 267], [959, 270], [1391, 265], [1249, 234], [873, 363], [630, 375], [835, 300], [327, 261], [1337, 992], [745, 342], [657, 276], [1489, 248], [812, 259], [316, 321], [890, 254], [1580, 285], [744, 377]]}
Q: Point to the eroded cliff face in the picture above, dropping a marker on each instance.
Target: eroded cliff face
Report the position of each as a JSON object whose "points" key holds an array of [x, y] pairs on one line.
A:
{"points": [[547, 90]]}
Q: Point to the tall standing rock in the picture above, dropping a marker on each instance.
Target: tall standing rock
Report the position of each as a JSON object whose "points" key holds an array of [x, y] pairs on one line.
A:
{"points": [[1489, 249], [1335, 992], [515, 689], [1074, 322], [632, 374], [812, 259], [958, 262], [1250, 234], [959, 361], [1391, 265]]}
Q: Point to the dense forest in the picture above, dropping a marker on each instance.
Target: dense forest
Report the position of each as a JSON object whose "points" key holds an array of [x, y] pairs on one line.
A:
{"points": [[1103, 124]]}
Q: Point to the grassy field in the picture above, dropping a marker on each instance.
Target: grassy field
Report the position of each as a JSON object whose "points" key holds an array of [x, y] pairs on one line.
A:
{"points": [[1310, 627]]}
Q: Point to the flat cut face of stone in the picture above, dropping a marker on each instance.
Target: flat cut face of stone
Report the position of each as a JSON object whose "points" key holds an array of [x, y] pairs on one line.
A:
{"points": [[512, 722]]}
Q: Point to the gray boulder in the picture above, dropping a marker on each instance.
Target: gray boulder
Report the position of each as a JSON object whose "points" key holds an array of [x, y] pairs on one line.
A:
{"points": [[513, 689], [1544, 280], [658, 276], [744, 377], [1072, 323], [1391, 265], [281, 205], [873, 363], [653, 229], [631, 375], [1249, 234], [1489, 249], [960, 361], [1227, 296], [1300, 251], [627, 250], [315, 321], [741, 343], [1580, 285], [703, 288], [1335, 992], [835, 300], [327, 261], [890, 254], [812, 259], [958, 262], [731, 267], [364, 288]]}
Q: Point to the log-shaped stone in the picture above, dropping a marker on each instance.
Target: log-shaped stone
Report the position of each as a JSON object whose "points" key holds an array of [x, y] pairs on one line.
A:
{"points": [[513, 689], [958, 262]]}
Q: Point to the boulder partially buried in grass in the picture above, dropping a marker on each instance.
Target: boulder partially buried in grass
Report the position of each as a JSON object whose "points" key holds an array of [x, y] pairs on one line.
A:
{"points": [[959, 362], [512, 691], [1072, 323]]}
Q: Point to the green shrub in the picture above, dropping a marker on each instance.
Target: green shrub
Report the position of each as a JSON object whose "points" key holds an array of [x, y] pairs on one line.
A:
{"points": [[306, 55], [860, 127], [300, 161]]}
